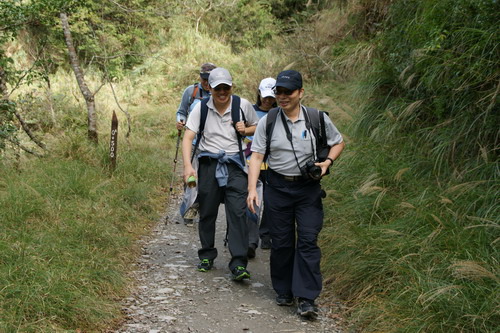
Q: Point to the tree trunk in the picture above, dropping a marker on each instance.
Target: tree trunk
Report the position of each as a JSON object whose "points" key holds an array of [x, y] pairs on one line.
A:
{"points": [[3, 85], [87, 94]]}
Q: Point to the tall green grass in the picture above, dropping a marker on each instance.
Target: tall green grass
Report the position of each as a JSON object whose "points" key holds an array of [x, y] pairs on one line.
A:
{"points": [[412, 241], [408, 252], [437, 81], [69, 230]]}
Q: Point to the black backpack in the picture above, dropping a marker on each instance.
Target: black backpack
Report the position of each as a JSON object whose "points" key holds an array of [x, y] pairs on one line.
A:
{"points": [[314, 121], [235, 117]]}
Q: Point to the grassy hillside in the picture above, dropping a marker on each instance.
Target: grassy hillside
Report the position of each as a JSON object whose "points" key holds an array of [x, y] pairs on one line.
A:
{"points": [[412, 238]]}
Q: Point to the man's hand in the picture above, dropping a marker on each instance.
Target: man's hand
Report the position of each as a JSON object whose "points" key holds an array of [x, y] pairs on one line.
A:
{"points": [[188, 172], [180, 125], [252, 200], [324, 166], [240, 127]]}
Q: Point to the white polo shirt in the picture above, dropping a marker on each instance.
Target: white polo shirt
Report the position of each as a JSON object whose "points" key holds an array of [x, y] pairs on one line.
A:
{"points": [[219, 133]]}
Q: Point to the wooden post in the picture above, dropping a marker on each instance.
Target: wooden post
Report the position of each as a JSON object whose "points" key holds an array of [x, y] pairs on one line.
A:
{"points": [[113, 143]]}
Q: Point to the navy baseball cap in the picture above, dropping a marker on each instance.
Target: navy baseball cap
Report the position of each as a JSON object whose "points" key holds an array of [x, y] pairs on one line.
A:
{"points": [[289, 79]]}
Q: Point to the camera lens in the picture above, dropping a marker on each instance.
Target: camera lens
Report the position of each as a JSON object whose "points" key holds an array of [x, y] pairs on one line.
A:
{"points": [[315, 172]]}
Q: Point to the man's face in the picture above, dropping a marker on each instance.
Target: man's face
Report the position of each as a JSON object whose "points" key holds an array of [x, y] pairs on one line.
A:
{"points": [[222, 93], [288, 99], [204, 83]]}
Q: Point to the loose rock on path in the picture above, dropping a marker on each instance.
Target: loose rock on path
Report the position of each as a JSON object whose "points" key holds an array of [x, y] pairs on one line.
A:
{"points": [[172, 296]]}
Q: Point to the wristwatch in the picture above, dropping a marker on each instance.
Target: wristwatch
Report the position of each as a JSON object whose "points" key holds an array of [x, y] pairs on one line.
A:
{"points": [[331, 160]]}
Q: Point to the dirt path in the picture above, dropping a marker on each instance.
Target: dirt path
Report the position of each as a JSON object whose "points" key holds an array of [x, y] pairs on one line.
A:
{"points": [[172, 296]]}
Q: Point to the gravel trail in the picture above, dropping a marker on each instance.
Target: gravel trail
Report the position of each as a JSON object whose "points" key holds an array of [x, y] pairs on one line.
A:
{"points": [[172, 296]]}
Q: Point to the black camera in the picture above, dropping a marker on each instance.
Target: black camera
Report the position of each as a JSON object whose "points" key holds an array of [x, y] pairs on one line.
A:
{"points": [[310, 170]]}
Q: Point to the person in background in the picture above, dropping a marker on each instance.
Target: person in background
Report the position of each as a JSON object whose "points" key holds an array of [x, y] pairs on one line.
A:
{"points": [[221, 171], [265, 102], [193, 94], [292, 196], [190, 97]]}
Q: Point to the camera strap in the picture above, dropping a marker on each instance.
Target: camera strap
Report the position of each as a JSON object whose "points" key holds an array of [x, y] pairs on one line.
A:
{"points": [[289, 134], [308, 126]]}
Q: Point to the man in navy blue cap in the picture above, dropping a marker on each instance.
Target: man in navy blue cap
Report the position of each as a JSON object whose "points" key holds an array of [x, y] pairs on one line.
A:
{"points": [[292, 195]]}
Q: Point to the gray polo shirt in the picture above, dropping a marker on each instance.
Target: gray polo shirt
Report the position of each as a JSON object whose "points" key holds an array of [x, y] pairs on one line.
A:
{"points": [[281, 157], [219, 133]]}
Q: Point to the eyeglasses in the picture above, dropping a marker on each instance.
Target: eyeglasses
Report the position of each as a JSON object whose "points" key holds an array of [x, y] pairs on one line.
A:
{"points": [[287, 92], [224, 87]]}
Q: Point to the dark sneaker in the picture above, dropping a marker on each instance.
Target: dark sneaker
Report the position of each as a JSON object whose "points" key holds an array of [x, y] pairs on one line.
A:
{"points": [[205, 265], [307, 309], [251, 251], [240, 273], [284, 300], [265, 243]]}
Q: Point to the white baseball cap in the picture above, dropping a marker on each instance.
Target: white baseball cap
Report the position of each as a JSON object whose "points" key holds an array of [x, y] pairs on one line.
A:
{"points": [[218, 76], [266, 87]]}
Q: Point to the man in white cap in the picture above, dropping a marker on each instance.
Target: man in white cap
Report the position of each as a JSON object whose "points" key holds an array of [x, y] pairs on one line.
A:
{"points": [[190, 97], [221, 172]]}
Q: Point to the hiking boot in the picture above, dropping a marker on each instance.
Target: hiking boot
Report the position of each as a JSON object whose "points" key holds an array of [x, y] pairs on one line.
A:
{"points": [[205, 265], [265, 243], [251, 251], [284, 300], [307, 309], [240, 273]]}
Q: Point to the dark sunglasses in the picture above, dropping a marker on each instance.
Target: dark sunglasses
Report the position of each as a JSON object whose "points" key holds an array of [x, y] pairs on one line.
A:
{"points": [[224, 87], [287, 92]]}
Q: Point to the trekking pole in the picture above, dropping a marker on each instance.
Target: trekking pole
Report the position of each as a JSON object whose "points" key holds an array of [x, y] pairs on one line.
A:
{"points": [[175, 159], [179, 132]]}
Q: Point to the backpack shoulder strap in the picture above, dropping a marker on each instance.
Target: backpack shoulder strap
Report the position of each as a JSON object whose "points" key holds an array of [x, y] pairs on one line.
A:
{"points": [[313, 115], [203, 120], [235, 109], [322, 126], [195, 91], [270, 122], [317, 120], [235, 117]]}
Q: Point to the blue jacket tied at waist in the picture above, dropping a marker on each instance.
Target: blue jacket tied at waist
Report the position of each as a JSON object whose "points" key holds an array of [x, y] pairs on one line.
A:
{"points": [[221, 173]]}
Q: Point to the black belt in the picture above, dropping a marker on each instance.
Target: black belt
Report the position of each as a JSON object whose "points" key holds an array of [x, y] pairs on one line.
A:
{"points": [[207, 159], [287, 178]]}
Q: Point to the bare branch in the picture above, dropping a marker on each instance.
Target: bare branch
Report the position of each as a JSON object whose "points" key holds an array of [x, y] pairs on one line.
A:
{"points": [[28, 131], [119, 106], [18, 83], [26, 149]]}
